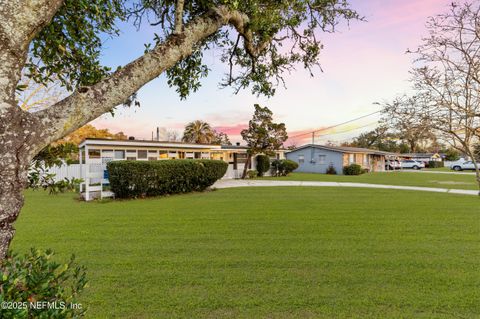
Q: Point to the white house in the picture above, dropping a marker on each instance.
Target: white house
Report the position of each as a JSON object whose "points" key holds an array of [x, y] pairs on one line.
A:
{"points": [[95, 153]]}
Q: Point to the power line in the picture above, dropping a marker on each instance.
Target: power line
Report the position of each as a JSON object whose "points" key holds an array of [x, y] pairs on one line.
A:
{"points": [[333, 126], [349, 130]]}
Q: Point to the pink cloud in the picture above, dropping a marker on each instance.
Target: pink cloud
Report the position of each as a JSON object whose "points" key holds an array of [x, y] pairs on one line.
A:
{"points": [[231, 129]]}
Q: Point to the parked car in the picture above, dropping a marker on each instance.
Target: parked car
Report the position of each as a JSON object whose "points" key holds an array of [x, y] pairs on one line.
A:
{"points": [[391, 165], [463, 166], [412, 164]]}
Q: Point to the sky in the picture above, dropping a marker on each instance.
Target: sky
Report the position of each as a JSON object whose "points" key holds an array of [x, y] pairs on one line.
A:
{"points": [[363, 64]]}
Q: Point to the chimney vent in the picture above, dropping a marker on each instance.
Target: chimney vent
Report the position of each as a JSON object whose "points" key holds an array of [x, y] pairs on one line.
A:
{"points": [[131, 138], [238, 143]]}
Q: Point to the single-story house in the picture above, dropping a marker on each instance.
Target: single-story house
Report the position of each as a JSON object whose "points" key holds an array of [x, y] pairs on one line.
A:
{"points": [[313, 158], [422, 157], [95, 153]]}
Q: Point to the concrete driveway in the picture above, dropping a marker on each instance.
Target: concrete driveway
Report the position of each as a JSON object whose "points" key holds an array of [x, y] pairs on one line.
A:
{"points": [[230, 183]]}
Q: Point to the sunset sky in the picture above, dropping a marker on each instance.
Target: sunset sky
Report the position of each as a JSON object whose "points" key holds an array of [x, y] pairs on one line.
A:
{"points": [[363, 63]]}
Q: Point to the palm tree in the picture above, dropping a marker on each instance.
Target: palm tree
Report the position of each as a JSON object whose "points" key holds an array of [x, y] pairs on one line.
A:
{"points": [[198, 132]]}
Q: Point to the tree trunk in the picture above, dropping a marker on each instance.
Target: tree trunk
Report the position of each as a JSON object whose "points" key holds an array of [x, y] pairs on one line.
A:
{"points": [[413, 146], [16, 147], [477, 172], [247, 163], [11, 202]]}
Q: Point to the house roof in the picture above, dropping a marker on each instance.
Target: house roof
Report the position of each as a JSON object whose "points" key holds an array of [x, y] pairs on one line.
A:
{"points": [[144, 143], [419, 154], [234, 147], [345, 149]]}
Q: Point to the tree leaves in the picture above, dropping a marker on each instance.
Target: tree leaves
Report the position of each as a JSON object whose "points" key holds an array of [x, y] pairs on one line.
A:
{"points": [[68, 49]]}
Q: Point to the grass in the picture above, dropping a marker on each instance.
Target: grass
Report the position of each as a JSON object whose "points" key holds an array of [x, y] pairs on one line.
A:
{"points": [[286, 252], [448, 169], [439, 169], [458, 181]]}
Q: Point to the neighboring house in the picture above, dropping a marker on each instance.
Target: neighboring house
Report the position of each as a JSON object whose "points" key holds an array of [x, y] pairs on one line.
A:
{"points": [[313, 158], [422, 157], [95, 153]]}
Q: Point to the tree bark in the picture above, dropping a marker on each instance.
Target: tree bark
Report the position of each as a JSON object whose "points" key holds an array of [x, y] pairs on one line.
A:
{"points": [[17, 135], [247, 163]]}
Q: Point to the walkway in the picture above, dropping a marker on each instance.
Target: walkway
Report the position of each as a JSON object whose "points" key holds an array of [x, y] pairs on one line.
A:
{"points": [[258, 183], [432, 172]]}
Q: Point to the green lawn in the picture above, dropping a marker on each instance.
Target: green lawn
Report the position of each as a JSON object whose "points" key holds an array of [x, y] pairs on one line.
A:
{"points": [[460, 181], [446, 169], [440, 169], [286, 252]]}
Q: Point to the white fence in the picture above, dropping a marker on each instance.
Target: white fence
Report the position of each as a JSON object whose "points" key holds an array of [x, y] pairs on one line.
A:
{"points": [[66, 171]]}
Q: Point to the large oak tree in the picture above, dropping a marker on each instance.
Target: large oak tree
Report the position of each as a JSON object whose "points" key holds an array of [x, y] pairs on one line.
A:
{"points": [[62, 40]]}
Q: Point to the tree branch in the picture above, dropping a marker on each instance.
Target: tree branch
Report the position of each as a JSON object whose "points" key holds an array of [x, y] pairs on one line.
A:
{"points": [[179, 16], [88, 103]]}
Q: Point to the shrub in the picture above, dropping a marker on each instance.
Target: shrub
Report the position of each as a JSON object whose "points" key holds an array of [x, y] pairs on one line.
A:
{"points": [[435, 164], [263, 164], [331, 170], [283, 167], [36, 280], [131, 179], [289, 166], [252, 174], [353, 169], [452, 155]]}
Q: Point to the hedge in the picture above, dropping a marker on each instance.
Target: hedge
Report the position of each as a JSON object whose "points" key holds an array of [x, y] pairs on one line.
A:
{"points": [[353, 169], [131, 179], [263, 164], [435, 164]]}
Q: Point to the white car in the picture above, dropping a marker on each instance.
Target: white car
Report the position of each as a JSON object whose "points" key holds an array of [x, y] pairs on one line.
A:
{"points": [[391, 165], [413, 164], [463, 166]]}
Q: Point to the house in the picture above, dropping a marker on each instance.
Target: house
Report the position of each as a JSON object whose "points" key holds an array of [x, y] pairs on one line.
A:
{"points": [[95, 153], [313, 158], [422, 157]]}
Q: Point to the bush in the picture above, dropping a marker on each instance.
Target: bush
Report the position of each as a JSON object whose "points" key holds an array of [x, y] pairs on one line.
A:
{"points": [[131, 179], [331, 170], [283, 167], [263, 164], [435, 164], [252, 174], [353, 169], [452, 155], [35, 280]]}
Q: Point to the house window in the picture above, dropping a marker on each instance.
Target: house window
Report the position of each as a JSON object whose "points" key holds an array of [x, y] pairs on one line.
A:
{"points": [[94, 153], [152, 158], [119, 154], [301, 159], [322, 159], [162, 154], [152, 152], [351, 158], [142, 154], [131, 158]]}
